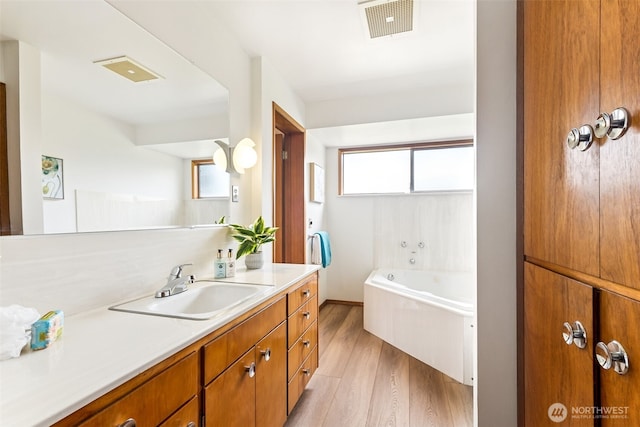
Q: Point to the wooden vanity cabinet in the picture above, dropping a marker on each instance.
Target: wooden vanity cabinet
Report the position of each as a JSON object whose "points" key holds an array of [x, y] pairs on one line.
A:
{"points": [[250, 372], [244, 372], [151, 405], [302, 325]]}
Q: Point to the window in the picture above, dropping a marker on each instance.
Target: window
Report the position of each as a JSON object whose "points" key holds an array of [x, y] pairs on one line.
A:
{"points": [[443, 166], [208, 180]]}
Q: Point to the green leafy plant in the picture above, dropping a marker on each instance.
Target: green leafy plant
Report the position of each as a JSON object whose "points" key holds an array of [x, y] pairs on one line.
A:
{"points": [[252, 237]]}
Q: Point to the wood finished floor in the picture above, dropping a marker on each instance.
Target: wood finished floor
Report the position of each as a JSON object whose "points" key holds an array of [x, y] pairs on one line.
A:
{"points": [[363, 381]]}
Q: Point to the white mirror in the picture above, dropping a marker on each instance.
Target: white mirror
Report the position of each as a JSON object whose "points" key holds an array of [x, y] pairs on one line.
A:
{"points": [[125, 148]]}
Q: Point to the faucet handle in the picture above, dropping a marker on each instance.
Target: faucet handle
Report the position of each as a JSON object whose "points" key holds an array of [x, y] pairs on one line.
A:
{"points": [[176, 272]]}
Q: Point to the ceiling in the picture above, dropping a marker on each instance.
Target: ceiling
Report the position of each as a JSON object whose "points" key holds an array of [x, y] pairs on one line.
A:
{"points": [[322, 48]]}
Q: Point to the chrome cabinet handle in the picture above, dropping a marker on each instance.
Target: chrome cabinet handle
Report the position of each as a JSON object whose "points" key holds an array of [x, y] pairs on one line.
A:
{"points": [[612, 354], [306, 343], [191, 424], [251, 370], [306, 371], [306, 293], [575, 334], [613, 125], [580, 138], [266, 354], [306, 314], [128, 423]]}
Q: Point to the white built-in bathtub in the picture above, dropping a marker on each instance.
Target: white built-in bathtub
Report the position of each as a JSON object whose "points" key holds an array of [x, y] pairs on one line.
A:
{"points": [[426, 314]]}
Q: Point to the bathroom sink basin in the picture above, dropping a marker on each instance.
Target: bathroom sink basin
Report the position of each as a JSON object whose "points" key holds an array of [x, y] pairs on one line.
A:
{"points": [[197, 303]]}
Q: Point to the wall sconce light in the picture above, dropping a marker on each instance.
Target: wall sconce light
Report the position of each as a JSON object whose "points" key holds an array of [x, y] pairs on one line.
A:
{"points": [[236, 159]]}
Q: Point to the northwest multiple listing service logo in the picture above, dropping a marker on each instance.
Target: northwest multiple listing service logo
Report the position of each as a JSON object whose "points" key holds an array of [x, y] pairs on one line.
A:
{"points": [[558, 412]]}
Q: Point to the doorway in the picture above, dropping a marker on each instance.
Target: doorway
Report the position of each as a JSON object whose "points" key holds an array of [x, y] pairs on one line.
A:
{"points": [[288, 170]]}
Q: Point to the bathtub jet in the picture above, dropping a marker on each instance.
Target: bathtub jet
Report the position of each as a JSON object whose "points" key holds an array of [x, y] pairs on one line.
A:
{"points": [[426, 314]]}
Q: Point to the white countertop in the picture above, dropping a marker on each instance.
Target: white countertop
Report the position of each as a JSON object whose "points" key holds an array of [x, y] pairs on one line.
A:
{"points": [[102, 349]]}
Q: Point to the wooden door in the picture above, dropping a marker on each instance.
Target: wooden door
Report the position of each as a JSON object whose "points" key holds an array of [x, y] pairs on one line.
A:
{"points": [[230, 398], [271, 380], [561, 189], [554, 372], [620, 394], [620, 159], [289, 192]]}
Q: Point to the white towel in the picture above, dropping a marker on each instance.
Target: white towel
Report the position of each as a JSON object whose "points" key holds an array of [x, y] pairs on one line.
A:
{"points": [[316, 253]]}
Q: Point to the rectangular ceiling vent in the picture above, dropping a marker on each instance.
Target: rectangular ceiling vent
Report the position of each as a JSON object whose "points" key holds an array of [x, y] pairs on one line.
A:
{"points": [[385, 18], [129, 69]]}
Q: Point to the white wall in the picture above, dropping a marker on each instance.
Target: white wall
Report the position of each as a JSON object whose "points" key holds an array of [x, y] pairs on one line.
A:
{"points": [[496, 385], [100, 156]]}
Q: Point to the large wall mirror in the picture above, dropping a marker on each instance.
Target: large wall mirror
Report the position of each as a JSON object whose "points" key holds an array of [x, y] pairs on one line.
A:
{"points": [[117, 154]]}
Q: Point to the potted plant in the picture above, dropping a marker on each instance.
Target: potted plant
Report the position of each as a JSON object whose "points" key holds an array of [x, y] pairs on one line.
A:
{"points": [[251, 239]]}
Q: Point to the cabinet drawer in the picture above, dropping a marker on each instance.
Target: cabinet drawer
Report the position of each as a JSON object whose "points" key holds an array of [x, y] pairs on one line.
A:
{"points": [[301, 319], [224, 350], [189, 413], [302, 293], [302, 348], [150, 403], [301, 379]]}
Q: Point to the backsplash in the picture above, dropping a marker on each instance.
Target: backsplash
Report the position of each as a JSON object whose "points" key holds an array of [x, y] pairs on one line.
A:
{"points": [[79, 272]]}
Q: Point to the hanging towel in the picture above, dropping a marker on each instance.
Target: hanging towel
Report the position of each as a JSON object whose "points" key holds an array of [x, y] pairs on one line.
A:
{"points": [[316, 254], [325, 247]]}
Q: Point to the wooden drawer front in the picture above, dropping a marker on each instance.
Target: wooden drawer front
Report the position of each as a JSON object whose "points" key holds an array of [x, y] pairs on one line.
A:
{"points": [[224, 350], [301, 379], [151, 403], [189, 413], [230, 399], [302, 293], [301, 319], [302, 348]]}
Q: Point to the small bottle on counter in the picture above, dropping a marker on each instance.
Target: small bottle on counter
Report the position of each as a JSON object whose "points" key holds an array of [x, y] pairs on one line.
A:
{"points": [[220, 266], [231, 264]]}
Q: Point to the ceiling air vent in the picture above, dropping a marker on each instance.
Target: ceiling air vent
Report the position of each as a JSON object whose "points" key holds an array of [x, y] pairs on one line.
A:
{"points": [[129, 69], [385, 18]]}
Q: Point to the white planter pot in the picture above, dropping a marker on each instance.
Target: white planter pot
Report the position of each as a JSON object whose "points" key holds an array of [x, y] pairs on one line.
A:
{"points": [[254, 261]]}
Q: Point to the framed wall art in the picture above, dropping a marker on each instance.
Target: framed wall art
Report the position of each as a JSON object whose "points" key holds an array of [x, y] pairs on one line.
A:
{"points": [[52, 178], [317, 183]]}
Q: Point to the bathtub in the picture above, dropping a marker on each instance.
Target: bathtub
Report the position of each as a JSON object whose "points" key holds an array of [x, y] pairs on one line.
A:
{"points": [[427, 314]]}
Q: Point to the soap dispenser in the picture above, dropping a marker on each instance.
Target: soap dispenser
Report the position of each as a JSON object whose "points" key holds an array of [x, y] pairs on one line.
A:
{"points": [[220, 266], [231, 264]]}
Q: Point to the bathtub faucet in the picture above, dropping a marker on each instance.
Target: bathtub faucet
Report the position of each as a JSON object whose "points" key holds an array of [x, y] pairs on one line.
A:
{"points": [[412, 260]]}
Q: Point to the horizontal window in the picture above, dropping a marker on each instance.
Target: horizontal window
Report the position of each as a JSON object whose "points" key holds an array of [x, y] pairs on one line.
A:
{"points": [[443, 166]]}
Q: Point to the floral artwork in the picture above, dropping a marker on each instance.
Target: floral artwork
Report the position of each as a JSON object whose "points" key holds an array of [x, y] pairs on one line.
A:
{"points": [[52, 182]]}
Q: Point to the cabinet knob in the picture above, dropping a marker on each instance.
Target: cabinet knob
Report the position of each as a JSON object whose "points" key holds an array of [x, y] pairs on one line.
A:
{"points": [[575, 334], [306, 343], [191, 424], [613, 125], [306, 293], [128, 423], [580, 138], [612, 354], [306, 371], [266, 354], [251, 370], [306, 314]]}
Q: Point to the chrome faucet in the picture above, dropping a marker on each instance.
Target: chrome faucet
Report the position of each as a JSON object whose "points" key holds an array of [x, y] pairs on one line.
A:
{"points": [[175, 283]]}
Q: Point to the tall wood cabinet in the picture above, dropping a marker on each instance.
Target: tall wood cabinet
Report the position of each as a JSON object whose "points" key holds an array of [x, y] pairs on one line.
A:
{"points": [[581, 212]]}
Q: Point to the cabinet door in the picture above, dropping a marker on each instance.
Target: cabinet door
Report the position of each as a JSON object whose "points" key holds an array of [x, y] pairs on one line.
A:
{"points": [[620, 159], [561, 67], [620, 394], [271, 380], [554, 372], [230, 398]]}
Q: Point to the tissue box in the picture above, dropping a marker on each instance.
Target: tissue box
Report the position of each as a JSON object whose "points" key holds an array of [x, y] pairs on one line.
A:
{"points": [[47, 329]]}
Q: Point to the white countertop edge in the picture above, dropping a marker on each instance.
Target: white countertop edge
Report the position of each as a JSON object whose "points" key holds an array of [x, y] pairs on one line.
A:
{"points": [[43, 387]]}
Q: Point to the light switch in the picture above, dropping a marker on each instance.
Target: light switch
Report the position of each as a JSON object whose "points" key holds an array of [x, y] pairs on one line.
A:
{"points": [[235, 193]]}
